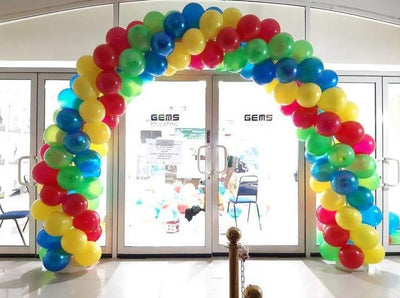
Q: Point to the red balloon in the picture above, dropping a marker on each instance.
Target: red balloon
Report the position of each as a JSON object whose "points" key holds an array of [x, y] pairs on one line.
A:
{"points": [[289, 109], [134, 23], [350, 133], [74, 204], [228, 39], [111, 121], [95, 234], [196, 63], [105, 57], [52, 194], [365, 146], [248, 27], [328, 124], [351, 256], [108, 82], [117, 38], [212, 55], [325, 216], [268, 29], [43, 174], [43, 150], [304, 117], [320, 225], [335, 235], [87, 221], [114, 104]]}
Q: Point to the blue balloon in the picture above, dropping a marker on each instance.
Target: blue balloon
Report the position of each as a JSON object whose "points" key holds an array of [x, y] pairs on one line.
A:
{"points": [[156, 65], [247, 71], [393, 222], [146, 77], [264, 72], [56, 259], [95, 174], [221, 189], [69, 120], [88, 161], [328, 79], [76, 142], [231, 211], [311, 158], [68, 99], [286, 70], [322, 170], [344, 182], [175, 24], [361, 199], [72, 80], [47, 241], [162, 43], [215, 8], [310, 70], [193, 13], [372, 216]]}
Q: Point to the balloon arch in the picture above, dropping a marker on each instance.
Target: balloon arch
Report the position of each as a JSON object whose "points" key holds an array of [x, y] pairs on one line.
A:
{"points": [[337, 148]]}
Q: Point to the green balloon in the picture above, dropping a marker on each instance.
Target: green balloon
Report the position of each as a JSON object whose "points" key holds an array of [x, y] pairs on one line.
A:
{"points": [[328, 252], [221, 67], [132, 62], [363, 166], [139, 38], [302, 49], [131, 86], [318, 145], [256, 50], [303, 134], [395, 237], [154, 20], [372, 183], [42, 252], [53, 135], [281, 46], [69, 178], [58, 157], [93, 204], [320, 238], [235, 61], [91, 188], [55, 113], [341, 155]]}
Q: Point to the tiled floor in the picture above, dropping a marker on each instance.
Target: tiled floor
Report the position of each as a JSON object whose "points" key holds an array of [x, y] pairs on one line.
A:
{"points": [[199, 278]]}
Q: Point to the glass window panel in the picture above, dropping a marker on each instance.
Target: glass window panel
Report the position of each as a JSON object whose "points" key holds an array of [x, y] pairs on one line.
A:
{"points": [[15, 136]]}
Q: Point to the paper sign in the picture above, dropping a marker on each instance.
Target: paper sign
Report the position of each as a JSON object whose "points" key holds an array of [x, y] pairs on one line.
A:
{"points": [[164, 151]]}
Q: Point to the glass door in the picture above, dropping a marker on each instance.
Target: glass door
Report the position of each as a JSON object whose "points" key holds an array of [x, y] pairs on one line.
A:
{"points": [[18, 139], [261, 190], [164, 169]]}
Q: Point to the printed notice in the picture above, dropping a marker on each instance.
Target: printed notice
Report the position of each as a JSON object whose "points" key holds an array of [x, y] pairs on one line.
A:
{"points": [[164, 151]]}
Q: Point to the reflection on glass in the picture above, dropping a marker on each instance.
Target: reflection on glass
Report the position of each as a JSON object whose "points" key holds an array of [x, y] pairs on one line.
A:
{"points": [[262, 167], [392, 150], [164, 191], [15, 136]]}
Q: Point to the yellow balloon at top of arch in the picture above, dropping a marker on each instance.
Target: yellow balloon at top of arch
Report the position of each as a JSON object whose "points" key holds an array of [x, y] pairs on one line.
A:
{"points": [[101, 149], [271, 86], [83, 89], [98, 132], [179, 58], [318, 186], [285, 93], [308, 95], [349, 112], [231, 17], [193, 41], [85, 66], [211, 22], [332, 100]]}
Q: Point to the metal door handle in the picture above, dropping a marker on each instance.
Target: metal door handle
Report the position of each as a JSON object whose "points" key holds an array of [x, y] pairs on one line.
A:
{"points": [[225, 159], [199, 158], [22, 181], [387, 160]]}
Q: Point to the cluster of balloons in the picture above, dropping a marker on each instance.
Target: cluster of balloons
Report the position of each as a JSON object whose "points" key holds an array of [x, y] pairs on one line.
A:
{"points": [[339, 150], [394, 228]]}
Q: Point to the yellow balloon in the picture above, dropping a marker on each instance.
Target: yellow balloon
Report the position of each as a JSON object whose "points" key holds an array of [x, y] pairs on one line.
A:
{"points": [[85, 66], [285, 93], [271, 86], [349, 112], [170, 71], [57, 223], [364, 236], [211, 22], [332, 100], [231, 17], [193, 41], [332, 201], [318, 186], [179, 58], [53, 135], [98, 132], [41, 211], [348, 218], [83, 89], [89, 254], [101, 149], [308, 95], [92, 111], [374, 255], [73, 240]]}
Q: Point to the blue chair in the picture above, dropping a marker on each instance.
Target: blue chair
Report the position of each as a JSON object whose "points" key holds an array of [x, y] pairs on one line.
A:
{"points": [[15, 215], [246, 194]]}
